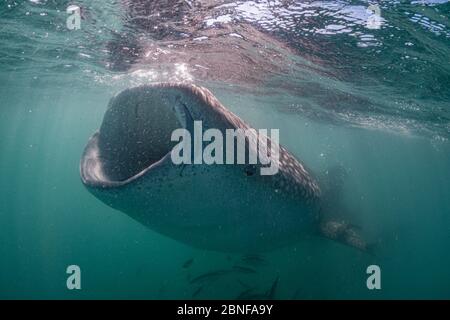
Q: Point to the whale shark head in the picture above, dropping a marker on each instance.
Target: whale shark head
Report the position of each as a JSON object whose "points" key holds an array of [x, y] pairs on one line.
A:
{"points": [[137, 128], [134, 136], [128, 165]]}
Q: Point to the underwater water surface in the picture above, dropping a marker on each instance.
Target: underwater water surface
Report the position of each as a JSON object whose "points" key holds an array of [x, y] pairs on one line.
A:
{"points": [[370, 96]]}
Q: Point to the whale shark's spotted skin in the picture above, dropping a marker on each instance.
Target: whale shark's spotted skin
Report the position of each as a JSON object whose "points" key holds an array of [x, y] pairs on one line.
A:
{"points": [[293, 177]]}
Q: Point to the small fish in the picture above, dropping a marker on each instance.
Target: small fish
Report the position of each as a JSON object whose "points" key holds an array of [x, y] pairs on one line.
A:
{"points": [[244, 294], [188, 263], [243, 284], [196, 292], [210, 275], [244, 269], [273, 288], [253, 260], [219, 273], [250, 294]]}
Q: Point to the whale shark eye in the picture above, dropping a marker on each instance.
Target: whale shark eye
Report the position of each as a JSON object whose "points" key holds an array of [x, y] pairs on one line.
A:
{"points": [[250, 170]]}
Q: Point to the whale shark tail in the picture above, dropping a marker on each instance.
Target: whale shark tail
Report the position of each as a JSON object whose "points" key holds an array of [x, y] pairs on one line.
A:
{"points": [[334, 220]]}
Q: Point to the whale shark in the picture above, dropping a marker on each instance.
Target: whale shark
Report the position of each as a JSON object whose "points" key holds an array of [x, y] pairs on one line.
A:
{"points": [[127, 165]]}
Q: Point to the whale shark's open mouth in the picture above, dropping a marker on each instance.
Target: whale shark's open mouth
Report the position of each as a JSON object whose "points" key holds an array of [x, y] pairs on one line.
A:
{"points": [[135, 134]]}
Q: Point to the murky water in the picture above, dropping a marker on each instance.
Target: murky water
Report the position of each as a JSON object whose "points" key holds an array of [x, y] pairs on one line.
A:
{"points": [[364, 89]]}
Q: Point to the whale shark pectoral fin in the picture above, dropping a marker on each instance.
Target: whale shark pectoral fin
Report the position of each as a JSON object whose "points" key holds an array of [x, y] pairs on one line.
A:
{"points": [[346, 233], [336, 214]]}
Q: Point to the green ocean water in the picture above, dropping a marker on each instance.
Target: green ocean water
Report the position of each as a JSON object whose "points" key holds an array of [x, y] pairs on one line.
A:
{"points": [[383, 117]]}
